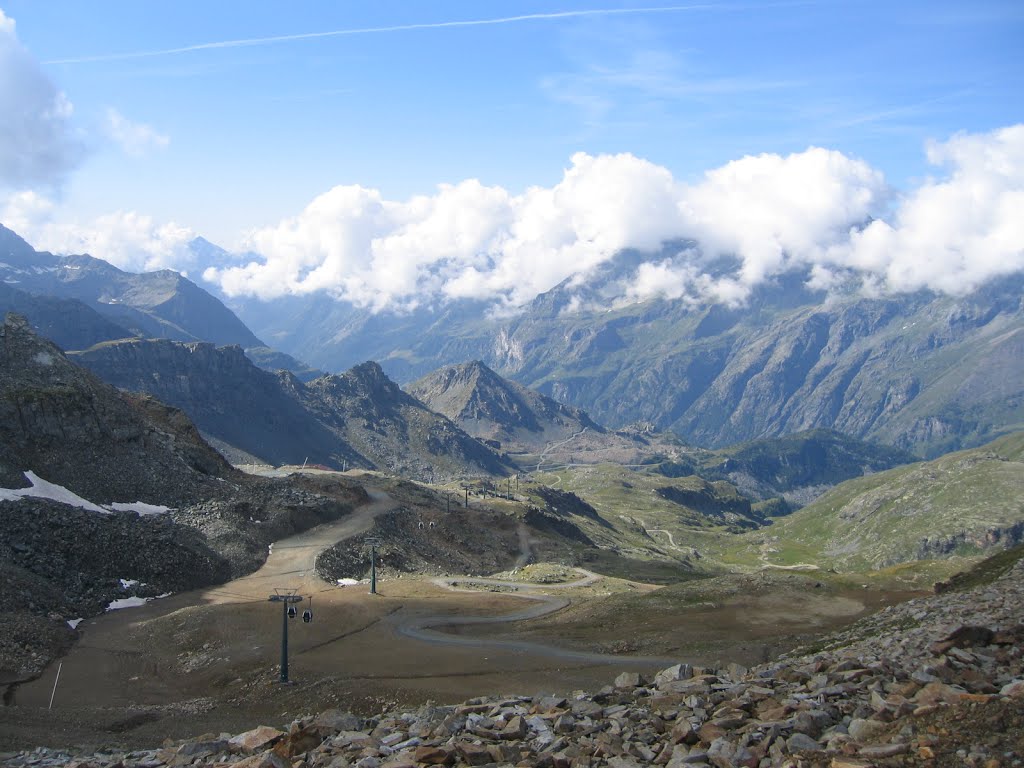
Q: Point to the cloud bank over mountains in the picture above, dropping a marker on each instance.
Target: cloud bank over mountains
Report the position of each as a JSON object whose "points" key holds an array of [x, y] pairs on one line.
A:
{"points": [[817, 210]]}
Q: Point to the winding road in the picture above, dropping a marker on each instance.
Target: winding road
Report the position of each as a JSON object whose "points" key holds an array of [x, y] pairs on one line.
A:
{"points": [[426, 628], [292, 562]]}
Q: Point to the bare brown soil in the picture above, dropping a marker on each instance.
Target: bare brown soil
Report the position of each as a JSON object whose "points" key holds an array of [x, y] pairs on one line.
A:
{"points": [[207, 661]]}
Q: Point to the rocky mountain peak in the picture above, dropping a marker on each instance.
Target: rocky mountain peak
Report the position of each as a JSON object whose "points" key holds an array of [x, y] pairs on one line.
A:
{"points": [[70, 428], [14, 251]]}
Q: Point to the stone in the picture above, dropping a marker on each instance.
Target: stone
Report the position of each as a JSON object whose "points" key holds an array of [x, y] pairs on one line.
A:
{"points": [[338, 720], [672, 674], [257, 739], [801, 742], [629, 680], [1014, 688], [883, 750], [865, 730], [264, 760], [433, 755]]}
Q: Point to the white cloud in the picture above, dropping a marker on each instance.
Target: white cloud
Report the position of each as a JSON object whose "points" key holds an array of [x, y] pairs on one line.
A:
{"points": [[127, 239], [955, 233], [472, 241], [37, 142], [753, 219], [465, 241], [26, 212], [136, 139]]}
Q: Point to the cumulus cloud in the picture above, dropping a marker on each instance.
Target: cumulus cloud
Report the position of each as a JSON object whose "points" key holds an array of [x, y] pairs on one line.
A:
{"points": [[25, 212], [136, 139], [832, 216], [466, 241], [129, 240], [951, 234], [37, 142], [473, 241]]}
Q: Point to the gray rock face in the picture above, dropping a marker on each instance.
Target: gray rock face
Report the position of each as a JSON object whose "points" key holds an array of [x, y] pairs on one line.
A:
{"points": [[226, 396], [357, 419], [923, 372], [72, 429], [67, 427], [492, 408]]}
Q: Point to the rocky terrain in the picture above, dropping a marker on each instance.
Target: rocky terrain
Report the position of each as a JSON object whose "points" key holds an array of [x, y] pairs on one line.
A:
{"points": [[937, 681], [356, 419], [226, 396], [404, 437], [99, 488], [492, 408], [903, 370]]}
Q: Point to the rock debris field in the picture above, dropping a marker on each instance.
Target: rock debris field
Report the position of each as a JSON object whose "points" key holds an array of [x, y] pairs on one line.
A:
{"points": [[937, 681]]}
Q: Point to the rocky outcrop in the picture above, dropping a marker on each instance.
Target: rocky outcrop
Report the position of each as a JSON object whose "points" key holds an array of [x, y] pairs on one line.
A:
{"points": [[936, 681], [399, 433], [356, 419], [492, 408], [70, 428], [427, 541], [226, 396], [66, 432]]}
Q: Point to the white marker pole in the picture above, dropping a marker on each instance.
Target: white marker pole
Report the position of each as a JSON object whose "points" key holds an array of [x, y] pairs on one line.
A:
{"points": [[53, 693]]}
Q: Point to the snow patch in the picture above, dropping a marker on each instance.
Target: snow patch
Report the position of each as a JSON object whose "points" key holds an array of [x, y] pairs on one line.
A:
{"points": [[348, 582], [43, 358], [140, 507], [134, 602], [73, 623], [125, 583], [127, 602], [41, 489]]}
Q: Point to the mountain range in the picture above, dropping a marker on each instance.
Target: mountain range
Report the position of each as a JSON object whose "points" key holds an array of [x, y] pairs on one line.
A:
{"points": [[356, 419], [923, 372]]}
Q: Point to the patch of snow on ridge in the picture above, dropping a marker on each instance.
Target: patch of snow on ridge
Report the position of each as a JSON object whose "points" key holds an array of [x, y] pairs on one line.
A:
{"points": [[127, 602], [41, 489], [139, 507], [133, 602]]}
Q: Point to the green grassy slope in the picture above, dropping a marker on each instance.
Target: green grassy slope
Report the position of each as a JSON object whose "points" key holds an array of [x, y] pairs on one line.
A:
{"points": [[960, 504]]}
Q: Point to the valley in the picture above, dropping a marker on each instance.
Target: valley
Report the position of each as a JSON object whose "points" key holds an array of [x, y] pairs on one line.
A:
{"points": [[519, 544], [211, 656]]}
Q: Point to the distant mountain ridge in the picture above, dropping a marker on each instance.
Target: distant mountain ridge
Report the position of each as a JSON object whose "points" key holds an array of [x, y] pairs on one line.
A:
{"points": [[493, 408], [920, 371], [56, 293], [159, 304], [357, 419]]}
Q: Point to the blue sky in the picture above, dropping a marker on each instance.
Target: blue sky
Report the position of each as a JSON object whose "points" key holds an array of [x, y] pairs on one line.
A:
{"points": [[226, 139]]}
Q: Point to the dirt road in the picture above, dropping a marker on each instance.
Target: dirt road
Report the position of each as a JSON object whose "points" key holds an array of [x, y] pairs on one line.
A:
{"points": [[208, 660]]}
